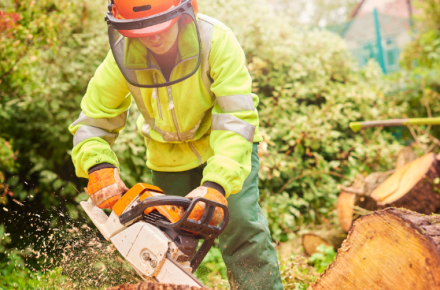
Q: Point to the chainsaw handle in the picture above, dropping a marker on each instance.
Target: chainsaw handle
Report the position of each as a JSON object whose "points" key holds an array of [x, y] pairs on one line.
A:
{"points": [[202, 227], [135, 214]]}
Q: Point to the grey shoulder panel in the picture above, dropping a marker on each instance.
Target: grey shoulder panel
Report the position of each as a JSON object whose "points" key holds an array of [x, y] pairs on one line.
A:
{"points": [[206, 28]]}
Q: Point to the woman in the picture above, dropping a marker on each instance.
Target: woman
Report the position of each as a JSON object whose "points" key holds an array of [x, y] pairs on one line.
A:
{"points": [[188, 78]]}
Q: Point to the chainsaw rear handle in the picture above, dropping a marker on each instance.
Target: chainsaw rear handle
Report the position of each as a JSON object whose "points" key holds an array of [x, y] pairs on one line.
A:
{"points": [[202, 227]]}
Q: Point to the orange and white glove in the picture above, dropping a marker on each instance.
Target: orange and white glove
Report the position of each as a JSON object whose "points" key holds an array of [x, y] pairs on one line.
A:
{"points": [[199, 209], [105, 187]]}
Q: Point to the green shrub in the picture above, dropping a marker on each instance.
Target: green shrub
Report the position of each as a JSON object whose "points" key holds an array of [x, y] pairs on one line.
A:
{"points": [[309, 89], [323, 258]]}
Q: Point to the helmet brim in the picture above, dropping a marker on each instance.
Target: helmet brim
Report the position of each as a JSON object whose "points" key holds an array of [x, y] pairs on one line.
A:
{"points": [[150, 30]]}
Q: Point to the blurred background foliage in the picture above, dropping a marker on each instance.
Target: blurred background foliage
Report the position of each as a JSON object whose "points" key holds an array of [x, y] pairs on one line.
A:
{"points": [[309, 88]]}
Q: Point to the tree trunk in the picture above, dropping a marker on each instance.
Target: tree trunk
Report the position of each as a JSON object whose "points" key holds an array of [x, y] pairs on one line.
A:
{"points": [[331, 237], [153, 286], [388, 249], [349, 207], [412, 187]]}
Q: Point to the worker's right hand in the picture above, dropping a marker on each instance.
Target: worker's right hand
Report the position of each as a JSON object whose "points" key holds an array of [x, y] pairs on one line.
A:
{"points": [[208, 193], [105, 187]]}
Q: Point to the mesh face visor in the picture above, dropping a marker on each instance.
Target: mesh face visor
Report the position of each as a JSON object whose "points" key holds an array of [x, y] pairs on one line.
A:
{"points": [[146, 63]]}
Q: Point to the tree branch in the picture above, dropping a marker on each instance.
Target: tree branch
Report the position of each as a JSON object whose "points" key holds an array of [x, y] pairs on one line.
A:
{"points": [[433, 139], [311, 173]]}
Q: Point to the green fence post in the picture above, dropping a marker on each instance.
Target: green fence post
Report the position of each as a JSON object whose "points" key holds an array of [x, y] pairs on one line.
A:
{"points": [[379, 41]]}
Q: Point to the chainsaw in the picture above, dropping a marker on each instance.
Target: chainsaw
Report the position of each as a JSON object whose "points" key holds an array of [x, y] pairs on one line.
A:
{"points": [[146, 228]]}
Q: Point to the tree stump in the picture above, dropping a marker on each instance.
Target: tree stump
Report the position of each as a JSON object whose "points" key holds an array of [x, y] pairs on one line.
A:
{"points": [[153, 286], [411, 186], [355, 201], [349, 207], [389, 249], [329, 237]]}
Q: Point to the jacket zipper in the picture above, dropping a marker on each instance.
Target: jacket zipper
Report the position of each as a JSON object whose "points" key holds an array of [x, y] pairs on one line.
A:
{"points": [[171, 107], [156, 97], [195, 152], [171, 103]]}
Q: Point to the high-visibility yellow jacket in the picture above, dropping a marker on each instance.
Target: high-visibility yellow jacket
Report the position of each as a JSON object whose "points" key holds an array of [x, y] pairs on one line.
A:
{"points": [[210, 117]]}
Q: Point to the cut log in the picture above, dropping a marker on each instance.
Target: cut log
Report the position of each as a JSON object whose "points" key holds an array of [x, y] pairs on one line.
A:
{"points": [[331, 237], [411, 187], [153, 286], [365, 185], [389, 249], [350, 206]]}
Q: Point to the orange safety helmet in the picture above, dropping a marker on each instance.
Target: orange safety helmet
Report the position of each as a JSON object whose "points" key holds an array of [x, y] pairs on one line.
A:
{"points": [[144, 9]]}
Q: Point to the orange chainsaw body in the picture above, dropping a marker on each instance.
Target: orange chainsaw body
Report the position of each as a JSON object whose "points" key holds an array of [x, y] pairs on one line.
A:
{"points": [[145, 191]]}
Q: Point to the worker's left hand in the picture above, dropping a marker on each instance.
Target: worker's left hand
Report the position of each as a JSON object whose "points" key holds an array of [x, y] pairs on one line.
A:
{"points": [[199, 209], [105, 187]]}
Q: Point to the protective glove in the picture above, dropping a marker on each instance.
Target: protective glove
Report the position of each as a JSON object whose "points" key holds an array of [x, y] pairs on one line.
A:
{"points": [[199, 209], [105, 187]]}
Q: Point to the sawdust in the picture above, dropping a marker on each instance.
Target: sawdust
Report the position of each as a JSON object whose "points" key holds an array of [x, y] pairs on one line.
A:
{"points": [[56, 244]]}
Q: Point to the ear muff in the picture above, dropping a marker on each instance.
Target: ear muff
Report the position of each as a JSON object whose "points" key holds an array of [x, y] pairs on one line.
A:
{"points": [[186, 19]]}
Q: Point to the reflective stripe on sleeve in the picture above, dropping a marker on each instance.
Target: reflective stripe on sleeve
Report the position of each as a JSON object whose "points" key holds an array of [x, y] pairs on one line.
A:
{"points": [[236, 103], [109, 124], [87, 132], [233, 124]]}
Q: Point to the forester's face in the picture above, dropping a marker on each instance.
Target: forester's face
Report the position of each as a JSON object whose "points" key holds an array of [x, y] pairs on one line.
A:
{"points": [[162, 42]]}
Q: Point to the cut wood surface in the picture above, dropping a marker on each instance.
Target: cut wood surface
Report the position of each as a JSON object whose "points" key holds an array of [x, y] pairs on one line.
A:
{"points": [[389, 249], [153, 286], [350, 206], [411, 186], [329, 237]]}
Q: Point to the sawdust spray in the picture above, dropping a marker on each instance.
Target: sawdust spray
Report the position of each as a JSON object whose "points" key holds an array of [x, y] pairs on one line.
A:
{"points": [[66, 253]]}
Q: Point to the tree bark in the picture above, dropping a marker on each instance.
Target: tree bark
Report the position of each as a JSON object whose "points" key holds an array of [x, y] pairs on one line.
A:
{"points": [[153, 286], [388, 249], [330, 237], [412, 186]]}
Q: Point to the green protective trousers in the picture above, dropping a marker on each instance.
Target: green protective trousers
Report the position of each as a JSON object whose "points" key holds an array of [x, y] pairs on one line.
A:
{"points": [[245, 244]]}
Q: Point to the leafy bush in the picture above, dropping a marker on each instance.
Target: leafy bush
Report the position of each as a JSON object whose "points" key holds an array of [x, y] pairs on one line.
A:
{"points": [[309, 89], [49, 50], [212, 271], [297, 273], [324, 257], [308, 85]]}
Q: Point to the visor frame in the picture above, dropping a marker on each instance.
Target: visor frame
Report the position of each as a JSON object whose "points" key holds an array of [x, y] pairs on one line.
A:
{"points": [[189, 11], [185, 6]]}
